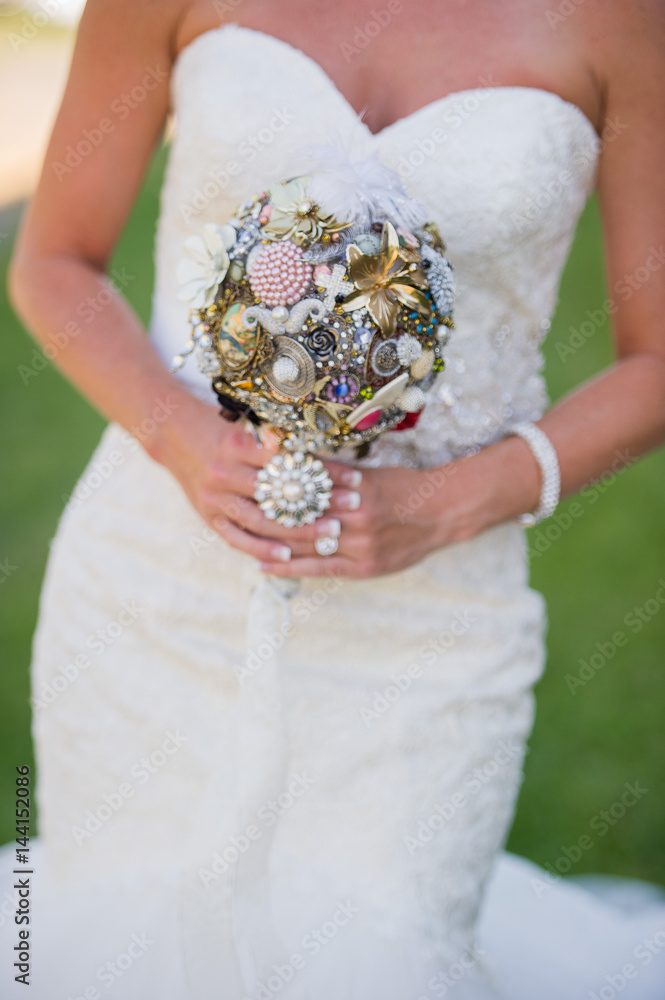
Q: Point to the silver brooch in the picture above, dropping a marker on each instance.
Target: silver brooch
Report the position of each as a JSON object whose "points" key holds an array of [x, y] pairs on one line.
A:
{"points": [[293, 489]]}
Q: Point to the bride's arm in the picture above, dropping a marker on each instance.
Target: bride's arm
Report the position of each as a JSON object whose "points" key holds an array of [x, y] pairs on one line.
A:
{"points": [[82, 203], [58, 276], [620, 414]]}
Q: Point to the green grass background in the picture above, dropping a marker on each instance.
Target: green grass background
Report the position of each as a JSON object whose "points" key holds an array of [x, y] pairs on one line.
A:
{"points": [[584, 746]]}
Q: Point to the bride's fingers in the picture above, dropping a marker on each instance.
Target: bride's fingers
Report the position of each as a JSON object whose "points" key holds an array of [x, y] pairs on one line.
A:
{"points": [[344, 475], [248, 515], [256, 522], [266, 550], [312, 566], [343, 500], [245, 448], [263, 549], [249, 453], [241, 478]]}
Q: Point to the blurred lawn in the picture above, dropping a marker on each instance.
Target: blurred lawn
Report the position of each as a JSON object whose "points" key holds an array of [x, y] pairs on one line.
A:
{"points": [[585, 746]]}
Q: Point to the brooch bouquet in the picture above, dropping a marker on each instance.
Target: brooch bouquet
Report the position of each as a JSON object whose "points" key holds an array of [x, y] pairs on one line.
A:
{"points": [[320, 310]]}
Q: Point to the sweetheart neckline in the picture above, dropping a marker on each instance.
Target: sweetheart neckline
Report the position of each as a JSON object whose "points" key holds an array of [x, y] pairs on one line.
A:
{"points": [[313, 64]]}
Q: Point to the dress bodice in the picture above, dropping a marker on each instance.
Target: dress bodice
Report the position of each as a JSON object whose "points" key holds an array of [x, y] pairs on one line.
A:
{"points": [[503, 171]]}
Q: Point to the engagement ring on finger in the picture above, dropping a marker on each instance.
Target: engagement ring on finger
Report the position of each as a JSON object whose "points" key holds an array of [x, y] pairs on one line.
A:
{"points": [[326, 546]]}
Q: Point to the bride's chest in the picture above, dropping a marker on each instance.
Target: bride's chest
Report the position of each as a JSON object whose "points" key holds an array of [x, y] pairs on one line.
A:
{"points": [[495, 165]]}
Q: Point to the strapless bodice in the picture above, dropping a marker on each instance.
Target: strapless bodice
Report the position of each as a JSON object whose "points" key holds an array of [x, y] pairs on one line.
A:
{"points": [[503, 171]]}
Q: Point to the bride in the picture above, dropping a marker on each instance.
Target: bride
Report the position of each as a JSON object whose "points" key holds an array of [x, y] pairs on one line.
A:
{"points": [[182, 853]]}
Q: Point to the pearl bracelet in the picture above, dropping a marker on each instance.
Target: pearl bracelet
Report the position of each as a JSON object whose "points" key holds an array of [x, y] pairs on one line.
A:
{"points": [[546, 456]]}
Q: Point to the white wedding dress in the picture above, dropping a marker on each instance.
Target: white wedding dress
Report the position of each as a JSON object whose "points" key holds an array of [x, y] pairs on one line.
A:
{"points": [[251, 793]]}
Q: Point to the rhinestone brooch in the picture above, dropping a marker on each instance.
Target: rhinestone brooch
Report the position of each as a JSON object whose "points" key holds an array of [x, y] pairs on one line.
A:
{"points": [[293, 489]]}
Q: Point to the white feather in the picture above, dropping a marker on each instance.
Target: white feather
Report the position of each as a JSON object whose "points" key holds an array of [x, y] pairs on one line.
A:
{"points": [[352, 184]]}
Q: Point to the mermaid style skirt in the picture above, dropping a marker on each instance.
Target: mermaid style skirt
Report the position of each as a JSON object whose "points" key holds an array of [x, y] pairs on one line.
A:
{"points": [[246, 793]]}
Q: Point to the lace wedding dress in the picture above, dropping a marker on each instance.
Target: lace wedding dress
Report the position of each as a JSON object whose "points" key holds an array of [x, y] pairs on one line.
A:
{"points": [[249, 792]]}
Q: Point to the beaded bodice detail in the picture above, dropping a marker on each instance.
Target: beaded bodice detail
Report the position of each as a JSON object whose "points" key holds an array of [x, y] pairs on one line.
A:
{"points": [[503, 171]]}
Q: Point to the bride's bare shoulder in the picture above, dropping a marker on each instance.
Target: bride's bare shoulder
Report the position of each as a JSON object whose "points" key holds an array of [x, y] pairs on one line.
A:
{"points": [[625, 41], [197, 17], [111, 118], [640, 23], [131, 25]]}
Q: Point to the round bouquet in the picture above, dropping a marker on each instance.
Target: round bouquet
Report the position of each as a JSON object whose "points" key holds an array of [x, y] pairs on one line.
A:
{"points": [[320, 310]]}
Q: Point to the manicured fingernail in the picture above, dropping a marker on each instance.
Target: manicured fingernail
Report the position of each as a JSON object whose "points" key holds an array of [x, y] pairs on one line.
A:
{"points": [[330, 528], [352, 478], [281, 552], [349, 501]]}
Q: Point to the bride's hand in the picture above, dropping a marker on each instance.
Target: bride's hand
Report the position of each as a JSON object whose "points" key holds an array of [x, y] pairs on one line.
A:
{"points": [[404, 514], [216, 463], [398, 522], [384, 519]]}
